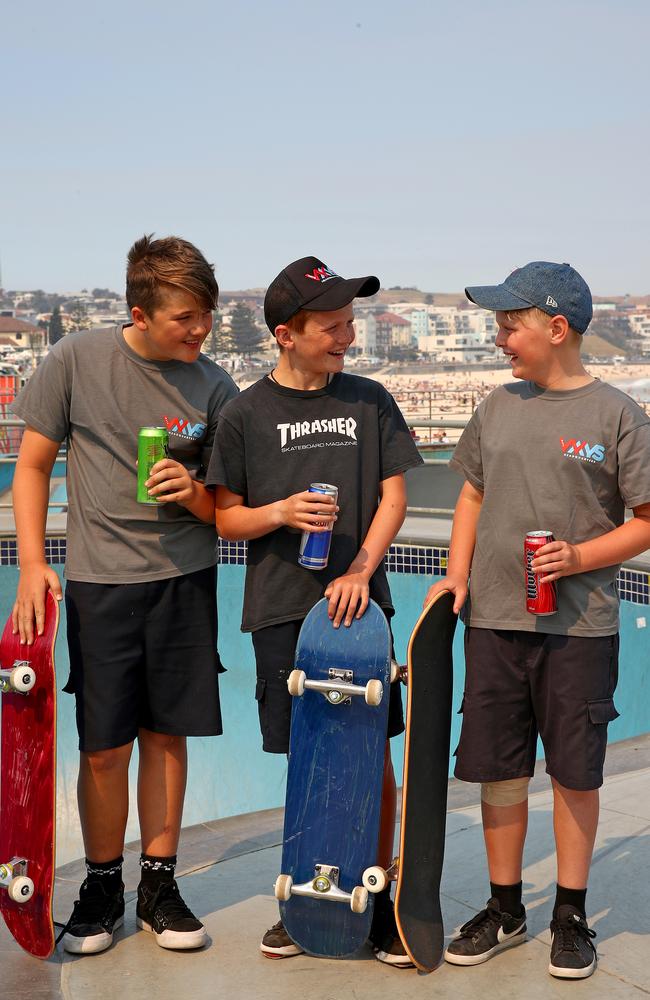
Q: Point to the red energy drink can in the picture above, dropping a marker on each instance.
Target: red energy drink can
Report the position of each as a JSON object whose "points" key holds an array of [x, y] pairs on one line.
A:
{"points": [[541, 598]]}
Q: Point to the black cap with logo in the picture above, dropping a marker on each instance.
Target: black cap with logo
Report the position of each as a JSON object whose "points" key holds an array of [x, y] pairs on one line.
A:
{"points": [[308, 283]]}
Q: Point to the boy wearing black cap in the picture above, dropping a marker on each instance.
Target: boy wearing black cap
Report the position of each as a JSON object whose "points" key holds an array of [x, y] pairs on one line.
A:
{"points": [[564, 452], [307, 422]]}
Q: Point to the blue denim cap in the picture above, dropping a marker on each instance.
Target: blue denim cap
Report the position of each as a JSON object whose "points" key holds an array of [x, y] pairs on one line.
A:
{"points": [[556, 289]]}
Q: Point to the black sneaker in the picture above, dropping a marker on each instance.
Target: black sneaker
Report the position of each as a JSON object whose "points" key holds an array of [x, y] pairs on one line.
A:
{"points": [[384, 936], [485, 934], [161, 910], [276, 943], [573, 956], [95, 916]]}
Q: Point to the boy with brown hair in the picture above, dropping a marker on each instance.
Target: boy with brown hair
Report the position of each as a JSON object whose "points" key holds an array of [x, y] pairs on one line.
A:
{"points": [[308, 421], [140, 592], [564, 452]]}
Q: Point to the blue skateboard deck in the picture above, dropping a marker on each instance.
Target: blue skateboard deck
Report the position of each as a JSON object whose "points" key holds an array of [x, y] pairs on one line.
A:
{"points": [[334, 782]]}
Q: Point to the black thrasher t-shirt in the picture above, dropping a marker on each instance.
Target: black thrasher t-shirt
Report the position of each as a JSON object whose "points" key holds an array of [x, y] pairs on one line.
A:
{"points": [[273, 442]]}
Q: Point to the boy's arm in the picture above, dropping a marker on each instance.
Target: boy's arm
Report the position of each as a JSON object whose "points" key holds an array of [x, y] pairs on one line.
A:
{"points": [[561, 558], [461, 547], [305, 511], [171, 482], [31, 494], [348, 594]]}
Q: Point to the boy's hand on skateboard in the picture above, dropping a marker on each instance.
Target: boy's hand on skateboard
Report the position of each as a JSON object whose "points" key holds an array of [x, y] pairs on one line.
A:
{"points": [[456, 585], [348, 598], [170, 482], [308, 511], [29, 607], [556, 559]]}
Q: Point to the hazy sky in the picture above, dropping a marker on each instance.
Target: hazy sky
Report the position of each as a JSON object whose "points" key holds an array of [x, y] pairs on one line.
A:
{"points": [[435, 144]]}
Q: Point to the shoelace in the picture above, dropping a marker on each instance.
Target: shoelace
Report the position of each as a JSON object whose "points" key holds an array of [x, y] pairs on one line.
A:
{"points": [[91, 908], [568, 933], [473, 927], [168, 900]]}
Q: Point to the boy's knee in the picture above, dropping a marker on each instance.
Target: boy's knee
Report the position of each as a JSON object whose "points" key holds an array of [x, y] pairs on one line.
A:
{"points": [[505, 793], [160, 742], [105, 761]]}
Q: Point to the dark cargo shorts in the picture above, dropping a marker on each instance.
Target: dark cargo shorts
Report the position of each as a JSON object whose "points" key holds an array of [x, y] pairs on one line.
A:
{"points": [[519, 684], [144, 655], [275, 650]]}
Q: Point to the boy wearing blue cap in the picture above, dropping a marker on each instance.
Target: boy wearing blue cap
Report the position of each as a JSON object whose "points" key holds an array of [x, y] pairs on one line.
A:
{"points": [[560, 451]]}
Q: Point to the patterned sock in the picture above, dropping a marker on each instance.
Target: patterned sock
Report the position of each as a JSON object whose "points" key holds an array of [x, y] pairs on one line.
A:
{"points": [[155, 870], [109, 873], [575, 897], [509, 897]]}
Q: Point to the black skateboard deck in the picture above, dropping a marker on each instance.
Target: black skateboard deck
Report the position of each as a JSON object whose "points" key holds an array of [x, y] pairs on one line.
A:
{"points": [[424, 786]]}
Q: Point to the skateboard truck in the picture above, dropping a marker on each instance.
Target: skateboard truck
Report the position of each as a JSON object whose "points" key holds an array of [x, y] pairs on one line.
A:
{"points": [[324, 885], [19, 679], [376, 878], [398, 672], [338, 690], [13, 878]]}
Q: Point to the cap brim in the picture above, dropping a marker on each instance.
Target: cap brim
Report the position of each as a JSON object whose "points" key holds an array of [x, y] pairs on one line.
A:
{"points": [[498, 298], [342, 293]]}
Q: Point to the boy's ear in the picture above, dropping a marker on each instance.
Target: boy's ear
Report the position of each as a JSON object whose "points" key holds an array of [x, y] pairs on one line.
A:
{"points": [[284, 335], [139, 318], [559, 327]]}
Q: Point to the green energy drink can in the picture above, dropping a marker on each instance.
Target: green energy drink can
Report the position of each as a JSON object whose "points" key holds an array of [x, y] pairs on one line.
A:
{"points": [[152, 448]]}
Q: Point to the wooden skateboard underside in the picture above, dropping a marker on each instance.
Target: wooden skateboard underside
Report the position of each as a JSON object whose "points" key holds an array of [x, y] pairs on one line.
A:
{"points": [[27, 785], [424, 788], [334, 780]]}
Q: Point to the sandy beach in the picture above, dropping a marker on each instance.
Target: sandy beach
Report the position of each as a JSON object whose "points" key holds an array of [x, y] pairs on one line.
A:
{"points": [[453, 395]]}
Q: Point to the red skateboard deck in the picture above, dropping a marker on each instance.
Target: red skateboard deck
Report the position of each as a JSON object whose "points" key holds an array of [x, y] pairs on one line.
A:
{"points": [[28, 785]]}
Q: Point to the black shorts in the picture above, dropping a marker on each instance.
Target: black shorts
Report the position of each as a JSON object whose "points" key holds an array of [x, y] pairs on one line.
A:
{"points": [[275, 650], [520, 683], [144, 655]]}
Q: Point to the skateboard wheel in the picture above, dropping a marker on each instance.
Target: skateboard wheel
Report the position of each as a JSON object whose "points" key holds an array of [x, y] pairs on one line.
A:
{"points": [[20, 889], [374, 692], [394, 671], [283, 885], [22, 679], [375, 879], [359, 899], [296, 683]]}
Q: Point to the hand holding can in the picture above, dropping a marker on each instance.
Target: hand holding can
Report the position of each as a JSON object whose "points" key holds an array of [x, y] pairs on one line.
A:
{"points": [[315, 546], [541, 598], [153, 445]]}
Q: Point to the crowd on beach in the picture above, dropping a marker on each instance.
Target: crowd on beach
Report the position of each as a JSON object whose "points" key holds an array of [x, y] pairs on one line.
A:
{"points": [[454, 395]]}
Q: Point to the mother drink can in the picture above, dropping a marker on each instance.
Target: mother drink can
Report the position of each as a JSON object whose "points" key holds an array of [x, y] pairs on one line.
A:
{"points": [[315, 545], [541, 598], [153, 445]]}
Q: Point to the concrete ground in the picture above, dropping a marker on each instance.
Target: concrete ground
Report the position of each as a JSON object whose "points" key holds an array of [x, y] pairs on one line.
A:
{"points": [[227, 870]]}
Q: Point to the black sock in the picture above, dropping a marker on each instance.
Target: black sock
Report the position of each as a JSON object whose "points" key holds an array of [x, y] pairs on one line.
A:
{"points": [[154, 870], [509, 897], [574, 897], [109, 873]]}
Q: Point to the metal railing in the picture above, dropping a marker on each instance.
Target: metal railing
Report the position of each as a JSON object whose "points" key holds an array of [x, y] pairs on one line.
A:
{"points": [[412, 424], [60, 505]]}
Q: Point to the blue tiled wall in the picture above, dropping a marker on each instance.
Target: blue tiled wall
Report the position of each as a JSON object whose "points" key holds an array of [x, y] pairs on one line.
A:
{"points": [[633, 585]]}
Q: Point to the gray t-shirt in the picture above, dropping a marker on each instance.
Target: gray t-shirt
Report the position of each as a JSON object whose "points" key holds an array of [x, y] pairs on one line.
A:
{"points": [[94, 391], [567, 462]]}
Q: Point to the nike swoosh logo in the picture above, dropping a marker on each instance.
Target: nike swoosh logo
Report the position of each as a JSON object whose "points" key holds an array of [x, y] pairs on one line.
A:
{"points": [[503, 936]]}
